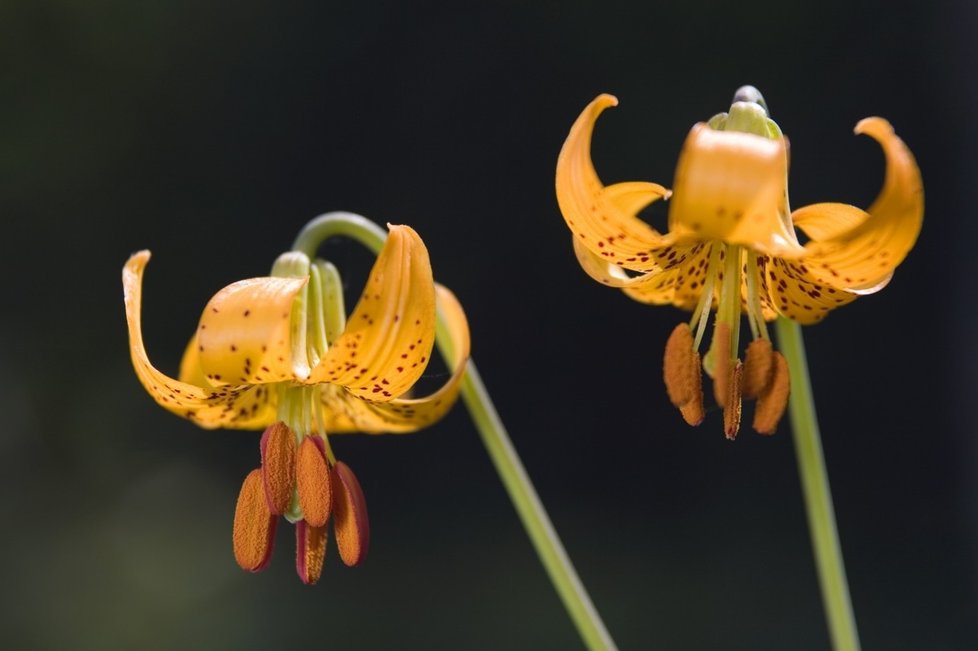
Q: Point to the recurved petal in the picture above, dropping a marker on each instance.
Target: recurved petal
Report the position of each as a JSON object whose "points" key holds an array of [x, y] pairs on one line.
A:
{"points": [[244, 334], [345, 412], [681, 285], [730, 186], [241, 407], [604, 219], [788, 288], [388, 338], [858, 251]]}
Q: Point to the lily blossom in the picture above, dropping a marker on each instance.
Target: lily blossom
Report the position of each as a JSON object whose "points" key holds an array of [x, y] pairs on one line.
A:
{"points": [[732, 247], [278, 353]]}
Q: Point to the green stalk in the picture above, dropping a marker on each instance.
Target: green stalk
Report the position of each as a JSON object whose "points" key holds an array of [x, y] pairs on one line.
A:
{"points": [[815, 487], [498, 444]]}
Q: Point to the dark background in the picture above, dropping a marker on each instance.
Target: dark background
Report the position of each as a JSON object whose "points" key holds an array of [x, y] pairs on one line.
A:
{"points": [[210, 132]]}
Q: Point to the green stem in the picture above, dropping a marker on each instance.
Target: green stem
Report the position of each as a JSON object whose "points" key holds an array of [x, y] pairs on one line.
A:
{"points": [[818, 497], [532, 513], [498, 444]]}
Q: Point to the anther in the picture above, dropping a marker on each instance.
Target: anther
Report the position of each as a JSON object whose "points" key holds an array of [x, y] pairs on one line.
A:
{"points": [[253, 533], [313, 481], [693, 412], [310, 551], [732, 405], [758, 368], [278, 466], [771, 404], [680, 367], [350, 516]]}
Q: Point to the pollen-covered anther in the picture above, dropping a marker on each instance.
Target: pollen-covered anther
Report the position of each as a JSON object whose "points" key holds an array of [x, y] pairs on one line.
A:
{"points": [[253, 533], [350, 516], [732, 404], [278, 466], [693, 411], [758, 368], [310, 551], [771, 404], [313, 481], [680, 367]]}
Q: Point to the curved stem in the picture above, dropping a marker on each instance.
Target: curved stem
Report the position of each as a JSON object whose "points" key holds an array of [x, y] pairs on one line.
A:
{"points": [[532, 513], [498, 444], [818, 497]]}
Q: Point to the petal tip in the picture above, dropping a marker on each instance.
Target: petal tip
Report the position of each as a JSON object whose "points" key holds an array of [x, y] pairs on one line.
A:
{"points": [[874, 126]]}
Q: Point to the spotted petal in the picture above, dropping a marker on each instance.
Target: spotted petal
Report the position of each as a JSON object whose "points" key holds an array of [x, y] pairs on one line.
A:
{"points": [[344, 412], [388, 338], [231, 406], [244, 334], [856, 251], [608, 228]]}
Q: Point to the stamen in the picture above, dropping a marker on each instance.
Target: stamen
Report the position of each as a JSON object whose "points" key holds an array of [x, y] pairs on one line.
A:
{"points": [[253, 532], [732, 407], [701, 314], [350, 516], [758, 368], [693, 412], [722, 363], [772, 403], [679, 368], [278, 466], [313, 482], [310, 551], [755, 313]]}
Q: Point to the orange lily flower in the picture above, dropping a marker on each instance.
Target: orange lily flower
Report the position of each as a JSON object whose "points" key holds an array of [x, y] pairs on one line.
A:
{"points": [[732, 247], [277, 353]]}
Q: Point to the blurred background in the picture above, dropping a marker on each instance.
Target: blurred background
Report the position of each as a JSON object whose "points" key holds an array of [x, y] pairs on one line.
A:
{"points": [[210, 132]]}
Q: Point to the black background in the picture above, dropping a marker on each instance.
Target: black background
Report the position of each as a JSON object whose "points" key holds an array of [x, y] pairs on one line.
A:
{"points": [[210, 132]]}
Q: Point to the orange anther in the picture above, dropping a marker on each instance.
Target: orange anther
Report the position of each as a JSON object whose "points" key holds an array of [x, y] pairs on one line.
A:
{"points": [[758, 367], [679, 369], [732, 406], [771, 404], [693, 412], [350, 516], [278, 466], [310, 551], [313, 480], [253, 533]]}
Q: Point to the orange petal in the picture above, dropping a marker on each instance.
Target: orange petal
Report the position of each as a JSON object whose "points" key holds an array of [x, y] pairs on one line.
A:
{"points": [[857, 251], [350, 516], [253, 533], [388, 339], [313, 481], [603, 218], [244, 334], [278, 466], [346, 412], [791, 290], [730, 186], [243, 406], [310, 551]]}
